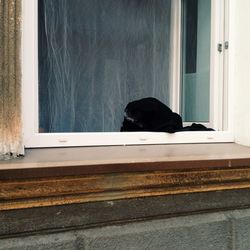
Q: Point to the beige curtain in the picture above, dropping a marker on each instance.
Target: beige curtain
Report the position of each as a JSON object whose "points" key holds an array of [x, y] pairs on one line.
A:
{"points": [[10, 79]]}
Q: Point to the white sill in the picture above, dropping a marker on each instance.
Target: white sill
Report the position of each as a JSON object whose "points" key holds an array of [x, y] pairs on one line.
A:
{"points": [[36, 140]]}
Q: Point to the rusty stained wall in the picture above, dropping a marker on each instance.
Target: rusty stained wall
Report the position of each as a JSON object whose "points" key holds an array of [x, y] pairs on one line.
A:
{"points": [[10, 79]]}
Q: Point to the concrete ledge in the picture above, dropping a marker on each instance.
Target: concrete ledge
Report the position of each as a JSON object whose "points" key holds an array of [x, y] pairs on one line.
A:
{"points": [[98, 174], [205, 231], [96, 214]]}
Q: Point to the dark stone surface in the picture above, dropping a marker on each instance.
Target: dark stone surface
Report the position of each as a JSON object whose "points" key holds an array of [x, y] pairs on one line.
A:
{"points": [[57, 241], [241, 228], [190, 232], [206, 231], [215, 220], [78, 216]]}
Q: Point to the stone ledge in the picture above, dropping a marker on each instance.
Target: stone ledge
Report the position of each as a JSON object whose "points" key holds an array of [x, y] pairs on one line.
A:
{"points": [[155, 171], [43, 220], [219, 230]]}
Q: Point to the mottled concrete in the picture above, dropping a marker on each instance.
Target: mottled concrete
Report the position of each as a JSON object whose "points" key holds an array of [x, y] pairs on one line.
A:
{"points": [[91, 214], [191, 232], [58, 241], [202, 221], [241, 228], [207, 231]]}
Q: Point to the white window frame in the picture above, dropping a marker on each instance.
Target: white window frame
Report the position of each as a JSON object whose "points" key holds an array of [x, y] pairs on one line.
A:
{"points": [[219, 93]]}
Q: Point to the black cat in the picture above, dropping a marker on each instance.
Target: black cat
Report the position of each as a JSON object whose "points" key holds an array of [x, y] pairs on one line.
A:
{"points": [[149, 114]]}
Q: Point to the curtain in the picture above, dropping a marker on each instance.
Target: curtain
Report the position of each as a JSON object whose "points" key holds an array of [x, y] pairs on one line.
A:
{"points": [[10, 79], [95, 56]]}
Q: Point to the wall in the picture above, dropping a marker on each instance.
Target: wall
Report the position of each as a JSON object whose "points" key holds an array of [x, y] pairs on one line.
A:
{"points": [[213, 230], [239, 71], [223, 230], [209, 220]]}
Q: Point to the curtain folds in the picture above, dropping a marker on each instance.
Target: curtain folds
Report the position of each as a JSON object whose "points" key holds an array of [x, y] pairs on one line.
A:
{"points": [[10, 79], [96, 56]]}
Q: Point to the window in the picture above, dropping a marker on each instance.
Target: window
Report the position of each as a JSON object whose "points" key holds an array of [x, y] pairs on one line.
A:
{"points": [[85, 60], [196, 60]]}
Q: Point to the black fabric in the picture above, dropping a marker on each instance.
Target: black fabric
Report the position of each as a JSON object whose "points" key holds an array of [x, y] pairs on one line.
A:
{"points": [[149, 114], [197, 127]]}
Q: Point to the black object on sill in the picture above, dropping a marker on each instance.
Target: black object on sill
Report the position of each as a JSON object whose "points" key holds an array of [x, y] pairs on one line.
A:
{"points": [[151, 115]]}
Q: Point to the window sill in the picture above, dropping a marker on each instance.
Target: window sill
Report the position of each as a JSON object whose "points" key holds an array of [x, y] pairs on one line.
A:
{"points": [[58, 176]]}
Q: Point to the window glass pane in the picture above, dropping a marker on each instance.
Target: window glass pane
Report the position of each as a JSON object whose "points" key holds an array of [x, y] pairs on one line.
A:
{"points": [[196, 60], [95, 56]]}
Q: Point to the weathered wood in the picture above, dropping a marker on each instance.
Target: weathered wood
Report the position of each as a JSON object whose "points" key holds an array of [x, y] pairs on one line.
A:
{"points": [[95, 214], [51, 162], [47, 177], [35, 192], [85, 169]]}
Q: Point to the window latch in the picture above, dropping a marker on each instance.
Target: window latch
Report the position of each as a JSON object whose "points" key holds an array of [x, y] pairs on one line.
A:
{"points": [[226, 45], [219, 47]]}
